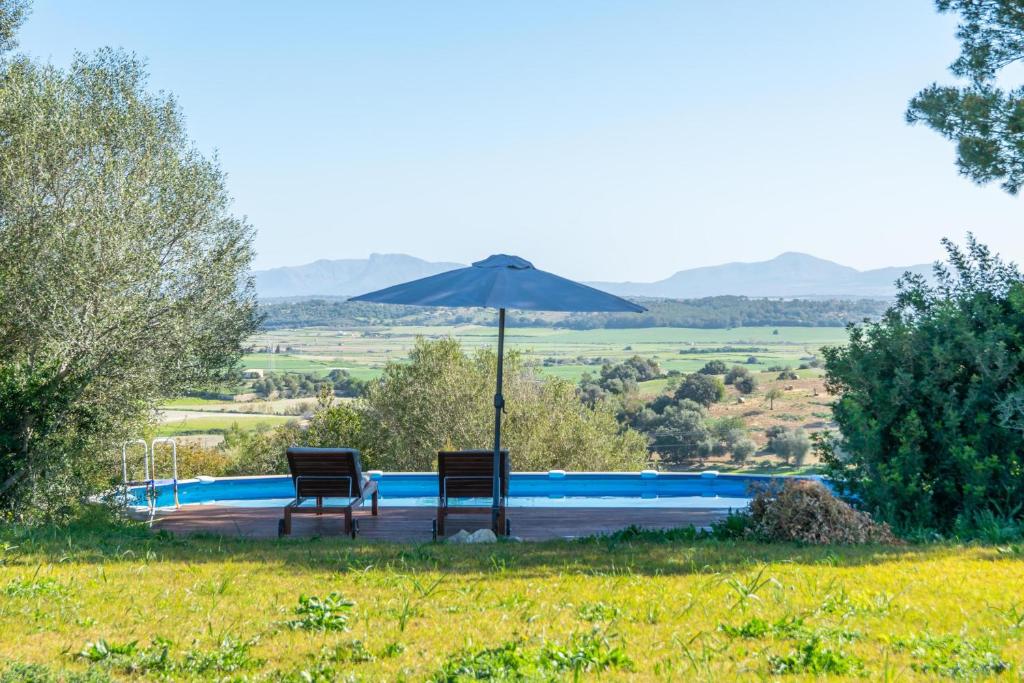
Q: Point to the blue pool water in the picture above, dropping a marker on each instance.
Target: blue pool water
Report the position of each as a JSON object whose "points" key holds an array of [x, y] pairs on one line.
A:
{"points": [[573, 489]]}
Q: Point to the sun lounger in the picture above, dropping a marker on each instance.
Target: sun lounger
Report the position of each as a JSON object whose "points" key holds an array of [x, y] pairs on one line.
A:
{"points": [[469, 474], [334, 475]]}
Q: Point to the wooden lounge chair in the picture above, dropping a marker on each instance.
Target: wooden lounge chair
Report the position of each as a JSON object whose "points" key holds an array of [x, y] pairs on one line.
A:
{"points": [[469, 474], [327, 473]]}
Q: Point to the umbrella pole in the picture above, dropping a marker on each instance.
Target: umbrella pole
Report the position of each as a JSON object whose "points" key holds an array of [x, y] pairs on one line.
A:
{"points": [[499, 406]]}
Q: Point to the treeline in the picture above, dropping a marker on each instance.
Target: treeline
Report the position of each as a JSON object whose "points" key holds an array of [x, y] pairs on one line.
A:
{"points": [[710, 312]]}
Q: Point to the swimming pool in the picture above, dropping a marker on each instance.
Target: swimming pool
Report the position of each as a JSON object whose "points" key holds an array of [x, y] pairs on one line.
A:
{"points": [[527, 489]]}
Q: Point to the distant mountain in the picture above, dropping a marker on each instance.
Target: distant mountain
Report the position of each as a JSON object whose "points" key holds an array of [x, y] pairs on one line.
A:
{"points": [[344, 277], [791, 275]]}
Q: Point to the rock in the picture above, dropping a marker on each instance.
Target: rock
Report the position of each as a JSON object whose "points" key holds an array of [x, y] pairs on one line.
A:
{"points": [[478, 536], [461, 537], [482, 536]]}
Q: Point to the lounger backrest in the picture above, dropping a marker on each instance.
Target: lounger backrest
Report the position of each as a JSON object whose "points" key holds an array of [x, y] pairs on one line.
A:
{"points": [[326, 472], [469, 474]]}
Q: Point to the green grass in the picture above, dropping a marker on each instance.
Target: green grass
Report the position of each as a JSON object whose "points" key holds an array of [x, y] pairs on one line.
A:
{"points": [[217, 425], [364, 352], [114, 599], [195, 402]]}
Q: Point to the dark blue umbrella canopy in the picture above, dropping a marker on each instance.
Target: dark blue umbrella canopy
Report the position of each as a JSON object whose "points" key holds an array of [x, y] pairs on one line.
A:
{"points": [[501, 281]]}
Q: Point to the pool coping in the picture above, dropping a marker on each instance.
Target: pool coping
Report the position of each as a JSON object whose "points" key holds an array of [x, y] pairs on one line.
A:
{"points": [[147, 512]]}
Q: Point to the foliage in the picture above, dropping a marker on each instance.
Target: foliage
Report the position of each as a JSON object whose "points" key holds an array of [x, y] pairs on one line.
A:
{"points": [[714, 367], [772, 395], [931, 398], [805, 511], [330, 613], [442, 398], [952, 656], [512, 661], [619, 378], [742, 450], [985, 121], [790, 444], [702, 389], [746, 384], [676, 429], [12, 15], [813, 655], [734, 373], [297, 385], [718, 312], [124, 274]]}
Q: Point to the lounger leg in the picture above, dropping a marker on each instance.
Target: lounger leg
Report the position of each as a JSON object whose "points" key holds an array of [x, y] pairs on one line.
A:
{"points": [[373, 504], [440, 522], [348, 520], [287, 521], [501, 522], [319, 506]]}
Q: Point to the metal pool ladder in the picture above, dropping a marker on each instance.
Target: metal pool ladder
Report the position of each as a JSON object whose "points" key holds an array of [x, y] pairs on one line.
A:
{"points": [[174, 464], [146, 481]]}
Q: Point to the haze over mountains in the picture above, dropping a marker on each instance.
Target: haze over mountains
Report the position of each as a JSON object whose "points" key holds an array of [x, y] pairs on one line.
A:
{"points": [[791, 275]]}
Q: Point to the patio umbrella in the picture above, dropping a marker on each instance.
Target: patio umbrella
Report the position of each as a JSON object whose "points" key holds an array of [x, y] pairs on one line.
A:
{"points": [[501, 281]]}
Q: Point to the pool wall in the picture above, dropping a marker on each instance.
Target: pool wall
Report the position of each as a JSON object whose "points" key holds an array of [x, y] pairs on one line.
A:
{"points": [[420, 488]]}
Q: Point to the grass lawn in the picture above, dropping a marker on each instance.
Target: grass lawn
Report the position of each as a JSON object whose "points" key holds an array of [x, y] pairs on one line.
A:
{"points": [[207, 608], [217, 425]]}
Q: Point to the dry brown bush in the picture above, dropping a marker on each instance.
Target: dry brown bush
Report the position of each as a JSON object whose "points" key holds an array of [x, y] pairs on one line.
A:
{"points": [[804, 511]]}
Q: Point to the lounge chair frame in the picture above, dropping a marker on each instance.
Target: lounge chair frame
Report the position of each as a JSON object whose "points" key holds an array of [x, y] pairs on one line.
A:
{"points": [[319, 473], [470, 474]]}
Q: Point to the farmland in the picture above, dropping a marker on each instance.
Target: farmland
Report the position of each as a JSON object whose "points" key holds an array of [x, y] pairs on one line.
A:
{"points": [[567, 354], [564, 353]]}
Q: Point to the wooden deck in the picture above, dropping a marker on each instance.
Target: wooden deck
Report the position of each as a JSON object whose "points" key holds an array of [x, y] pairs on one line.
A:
{"points": [[405, 524]]}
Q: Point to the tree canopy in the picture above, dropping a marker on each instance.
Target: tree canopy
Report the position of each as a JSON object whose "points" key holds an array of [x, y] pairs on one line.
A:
{"points": [[931, 398], [442, 398], [122, 271], [984, 120]]}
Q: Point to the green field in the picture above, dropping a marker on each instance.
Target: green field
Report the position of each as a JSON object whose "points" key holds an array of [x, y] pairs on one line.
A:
{"points": [[118, 601], [364, 353], [216, 425]]}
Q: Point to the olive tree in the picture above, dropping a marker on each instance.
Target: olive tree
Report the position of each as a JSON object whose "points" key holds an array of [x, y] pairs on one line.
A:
{"points": [[12, 14], [123, 274], [442, 398]]}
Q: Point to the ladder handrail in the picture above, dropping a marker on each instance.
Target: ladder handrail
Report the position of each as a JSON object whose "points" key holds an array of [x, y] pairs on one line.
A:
{"points": [[174, 461], [124, 459]]}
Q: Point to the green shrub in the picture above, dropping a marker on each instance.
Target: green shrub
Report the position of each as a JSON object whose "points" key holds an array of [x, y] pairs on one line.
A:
{"points": [[789, 443], [734, 373], [953, 656], [702, 389], [713, 367], [815, 655], [746, 385], [742, 450], [322, 614], [931, 397]]}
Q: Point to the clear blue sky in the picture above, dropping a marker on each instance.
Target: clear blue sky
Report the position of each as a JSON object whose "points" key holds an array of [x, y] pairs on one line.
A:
{"points": [[602, 140]]}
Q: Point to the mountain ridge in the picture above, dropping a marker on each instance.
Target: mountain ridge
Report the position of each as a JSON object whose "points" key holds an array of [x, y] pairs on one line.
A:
{"points": [[789, 275]]}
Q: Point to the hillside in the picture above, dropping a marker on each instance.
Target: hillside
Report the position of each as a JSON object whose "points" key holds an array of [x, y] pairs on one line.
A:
{"points": [[790, 274], [344, 277]]}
